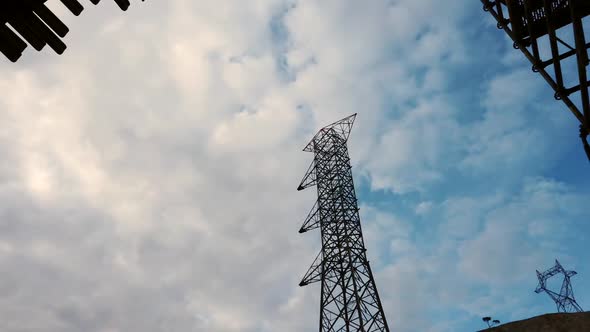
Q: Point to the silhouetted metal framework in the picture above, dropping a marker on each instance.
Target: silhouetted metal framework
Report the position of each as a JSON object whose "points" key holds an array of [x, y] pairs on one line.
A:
{"points": [[534, 23], [349, 299], [36, 24], [564, 300]]}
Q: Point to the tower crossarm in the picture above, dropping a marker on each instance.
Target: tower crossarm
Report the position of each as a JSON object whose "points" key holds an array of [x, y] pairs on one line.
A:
{"points": [[340, 127], [314, 274], [551, 272], [312, 221], [309, 179]]}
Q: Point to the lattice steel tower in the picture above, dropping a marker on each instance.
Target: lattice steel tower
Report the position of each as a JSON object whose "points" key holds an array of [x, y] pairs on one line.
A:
{"points": [[550, 34], [349, 300], [564, 300]]}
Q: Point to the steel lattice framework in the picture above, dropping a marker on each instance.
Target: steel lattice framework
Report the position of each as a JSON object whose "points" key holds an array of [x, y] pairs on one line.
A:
{"points": [[564, 300], [36, 24], [532, 24], [349, 298]]}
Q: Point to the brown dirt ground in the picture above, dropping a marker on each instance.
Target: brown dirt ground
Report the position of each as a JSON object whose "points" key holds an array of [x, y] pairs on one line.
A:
{"points": [[574, 322]]}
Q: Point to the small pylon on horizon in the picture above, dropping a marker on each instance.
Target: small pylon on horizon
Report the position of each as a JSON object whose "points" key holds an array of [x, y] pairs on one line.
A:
{"points": [[564, 300]]}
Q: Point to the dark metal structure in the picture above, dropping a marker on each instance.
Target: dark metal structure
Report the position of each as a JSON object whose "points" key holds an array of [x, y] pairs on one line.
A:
{"points": [[349, 299], [536, 26], [36, 24], [564, 300]]}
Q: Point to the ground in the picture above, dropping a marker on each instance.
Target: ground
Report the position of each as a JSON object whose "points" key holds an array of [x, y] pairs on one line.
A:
{"points": [[572, 322]]}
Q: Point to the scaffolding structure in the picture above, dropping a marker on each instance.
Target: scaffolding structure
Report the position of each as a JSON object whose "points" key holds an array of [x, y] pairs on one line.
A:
{"points": [[537, 27], [349, 299]]}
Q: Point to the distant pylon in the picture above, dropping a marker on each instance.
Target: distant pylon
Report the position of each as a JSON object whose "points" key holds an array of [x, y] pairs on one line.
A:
{"points": [[564, 300], [349, 300]]}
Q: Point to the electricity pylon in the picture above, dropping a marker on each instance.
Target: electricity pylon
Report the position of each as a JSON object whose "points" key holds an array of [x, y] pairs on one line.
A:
{"points": [[564, 300], [37, 25], [349, 299], [533, 24]]}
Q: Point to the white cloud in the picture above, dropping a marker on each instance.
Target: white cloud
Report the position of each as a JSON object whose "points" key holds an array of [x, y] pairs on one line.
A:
{"points": [[413, 148], [516, 128], [150, 172], [482, 259], [423, 208], [520, 235], [465, 215]]}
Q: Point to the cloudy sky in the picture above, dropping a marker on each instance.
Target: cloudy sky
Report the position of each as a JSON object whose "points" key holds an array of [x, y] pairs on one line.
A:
{"points": [[148, 176]]}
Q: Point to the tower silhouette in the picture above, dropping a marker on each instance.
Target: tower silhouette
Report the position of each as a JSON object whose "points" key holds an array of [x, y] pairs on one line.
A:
{"points": [[533, 24], [564, 300], [37, 25], [349, 299]]}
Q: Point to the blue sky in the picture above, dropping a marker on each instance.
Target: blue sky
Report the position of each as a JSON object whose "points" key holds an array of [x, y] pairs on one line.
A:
{"points": [[150, 173]]}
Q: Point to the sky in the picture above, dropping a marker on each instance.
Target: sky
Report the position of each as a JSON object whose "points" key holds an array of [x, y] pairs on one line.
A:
{"points": [[148, 177]]}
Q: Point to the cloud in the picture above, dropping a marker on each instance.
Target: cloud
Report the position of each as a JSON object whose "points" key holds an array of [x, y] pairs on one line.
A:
{"points": [[423, 208], [149, 173], [481, 257], [519, 233], [130, 206], [413, 147]]}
